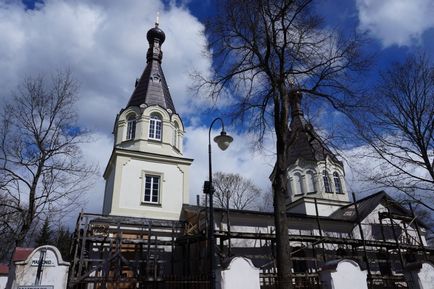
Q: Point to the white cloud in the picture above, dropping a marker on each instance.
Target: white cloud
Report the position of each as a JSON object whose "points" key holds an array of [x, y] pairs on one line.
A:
{"points": [[238, 158], [104, 45], [400, 22], [363, 166]]}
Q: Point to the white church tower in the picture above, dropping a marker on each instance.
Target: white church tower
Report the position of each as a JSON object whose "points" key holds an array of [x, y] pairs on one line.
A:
{"points": [[147, 175], [314, 172]]}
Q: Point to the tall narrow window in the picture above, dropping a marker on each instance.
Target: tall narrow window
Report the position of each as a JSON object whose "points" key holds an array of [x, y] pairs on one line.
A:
{"points": [[298, 182], [289, 186], [155, 127], [310, 182], [325, 177], [337, 181], [152, 189], [176, 136], [131, 127]]}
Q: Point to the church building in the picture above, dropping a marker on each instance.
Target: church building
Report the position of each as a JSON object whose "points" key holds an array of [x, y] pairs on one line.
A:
{"points": [[149, 236]]}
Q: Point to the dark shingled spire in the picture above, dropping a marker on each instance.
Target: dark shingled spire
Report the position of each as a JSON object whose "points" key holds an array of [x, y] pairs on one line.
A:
{"points": [[307, 144], [151, 88]]}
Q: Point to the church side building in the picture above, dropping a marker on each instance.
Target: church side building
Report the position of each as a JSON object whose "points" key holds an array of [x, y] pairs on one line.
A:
{"points": [[313, 171]]}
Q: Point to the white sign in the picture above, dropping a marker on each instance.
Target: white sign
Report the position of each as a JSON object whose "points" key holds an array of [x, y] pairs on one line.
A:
{"points": [[45, 263], [55, 270]]}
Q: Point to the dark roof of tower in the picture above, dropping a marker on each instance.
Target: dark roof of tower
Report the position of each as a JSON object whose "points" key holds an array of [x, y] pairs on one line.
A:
{"points": [[151, 88], [305, 144]]}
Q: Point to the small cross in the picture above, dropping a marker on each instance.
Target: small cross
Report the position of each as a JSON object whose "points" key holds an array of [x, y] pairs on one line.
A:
{"points": [[157, 21]]}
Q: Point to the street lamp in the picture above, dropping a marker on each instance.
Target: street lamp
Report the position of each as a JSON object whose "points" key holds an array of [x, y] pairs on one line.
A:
{"points": [[223, 141]]}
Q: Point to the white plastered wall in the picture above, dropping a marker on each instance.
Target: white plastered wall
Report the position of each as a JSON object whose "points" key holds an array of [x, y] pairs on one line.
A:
{"points": [[128, 187], [373, 219], [132, 159], [171, 125]]}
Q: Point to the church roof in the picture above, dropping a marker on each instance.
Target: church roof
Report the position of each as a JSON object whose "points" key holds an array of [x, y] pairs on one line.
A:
{"points": [[151, 88], [366, 205], [306, 143], [345, 214]]}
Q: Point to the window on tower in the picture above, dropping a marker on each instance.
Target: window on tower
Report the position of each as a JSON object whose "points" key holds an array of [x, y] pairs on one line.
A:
{"points": [[155, 127], [310, 182], [131, 127], [325, 177], [289, 186], [152, 189], [176, 136], [338, 185], [298, 182]]}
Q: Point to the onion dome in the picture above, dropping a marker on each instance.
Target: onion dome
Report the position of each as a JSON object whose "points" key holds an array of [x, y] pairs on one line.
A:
{"points": [[155, 33], [151, 88]]}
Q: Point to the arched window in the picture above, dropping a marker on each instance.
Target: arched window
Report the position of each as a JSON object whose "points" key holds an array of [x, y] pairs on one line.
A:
{"points": [[155, 127], [289, 186], [298, 184], [325, 177], [337, 181], [310, 182], [176, 136], [131, 127]]}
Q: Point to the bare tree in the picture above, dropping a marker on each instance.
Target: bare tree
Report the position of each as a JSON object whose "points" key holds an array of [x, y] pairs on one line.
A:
{"points": [[239, 192], [265, 53], [42, 171], [266, 201], [398, 126]]}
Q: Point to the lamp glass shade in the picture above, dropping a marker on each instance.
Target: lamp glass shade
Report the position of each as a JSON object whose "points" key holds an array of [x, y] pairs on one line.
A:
{"points": [[223, 140]]}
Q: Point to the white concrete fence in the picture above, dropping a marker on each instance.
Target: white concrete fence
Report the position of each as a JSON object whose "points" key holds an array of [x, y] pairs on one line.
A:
{"points": [[337, 274]]}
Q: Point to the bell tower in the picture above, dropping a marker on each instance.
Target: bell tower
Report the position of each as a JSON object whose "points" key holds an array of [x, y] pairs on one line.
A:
{"points": [[314, 172], [147, 174]]}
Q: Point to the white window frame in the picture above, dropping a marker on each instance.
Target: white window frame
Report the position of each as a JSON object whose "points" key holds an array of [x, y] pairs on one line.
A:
{"points": [[176, 136], [326, 181], [155, 179], [131, 127], [289, 186], [298, 184], [310, 182], [155, 127], [338, 183]]}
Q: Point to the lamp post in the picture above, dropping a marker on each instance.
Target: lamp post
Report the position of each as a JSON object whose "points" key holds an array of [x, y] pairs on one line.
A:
{"points": [[223, 140]]}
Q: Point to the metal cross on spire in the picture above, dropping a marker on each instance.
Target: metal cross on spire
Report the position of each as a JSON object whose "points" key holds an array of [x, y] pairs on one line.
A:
{"points": [[157, 20]]}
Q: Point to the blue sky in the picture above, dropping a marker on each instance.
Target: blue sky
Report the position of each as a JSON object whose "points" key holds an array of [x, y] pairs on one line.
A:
{"points": [[103, 43]]}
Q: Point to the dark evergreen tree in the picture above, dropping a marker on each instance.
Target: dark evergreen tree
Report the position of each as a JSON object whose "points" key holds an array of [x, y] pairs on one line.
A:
{"points": [[45, 236], [63, 242]]}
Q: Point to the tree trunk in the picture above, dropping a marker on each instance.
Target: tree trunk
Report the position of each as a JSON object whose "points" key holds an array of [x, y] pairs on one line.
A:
{"points": [[281, 111], [281, 224]]}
